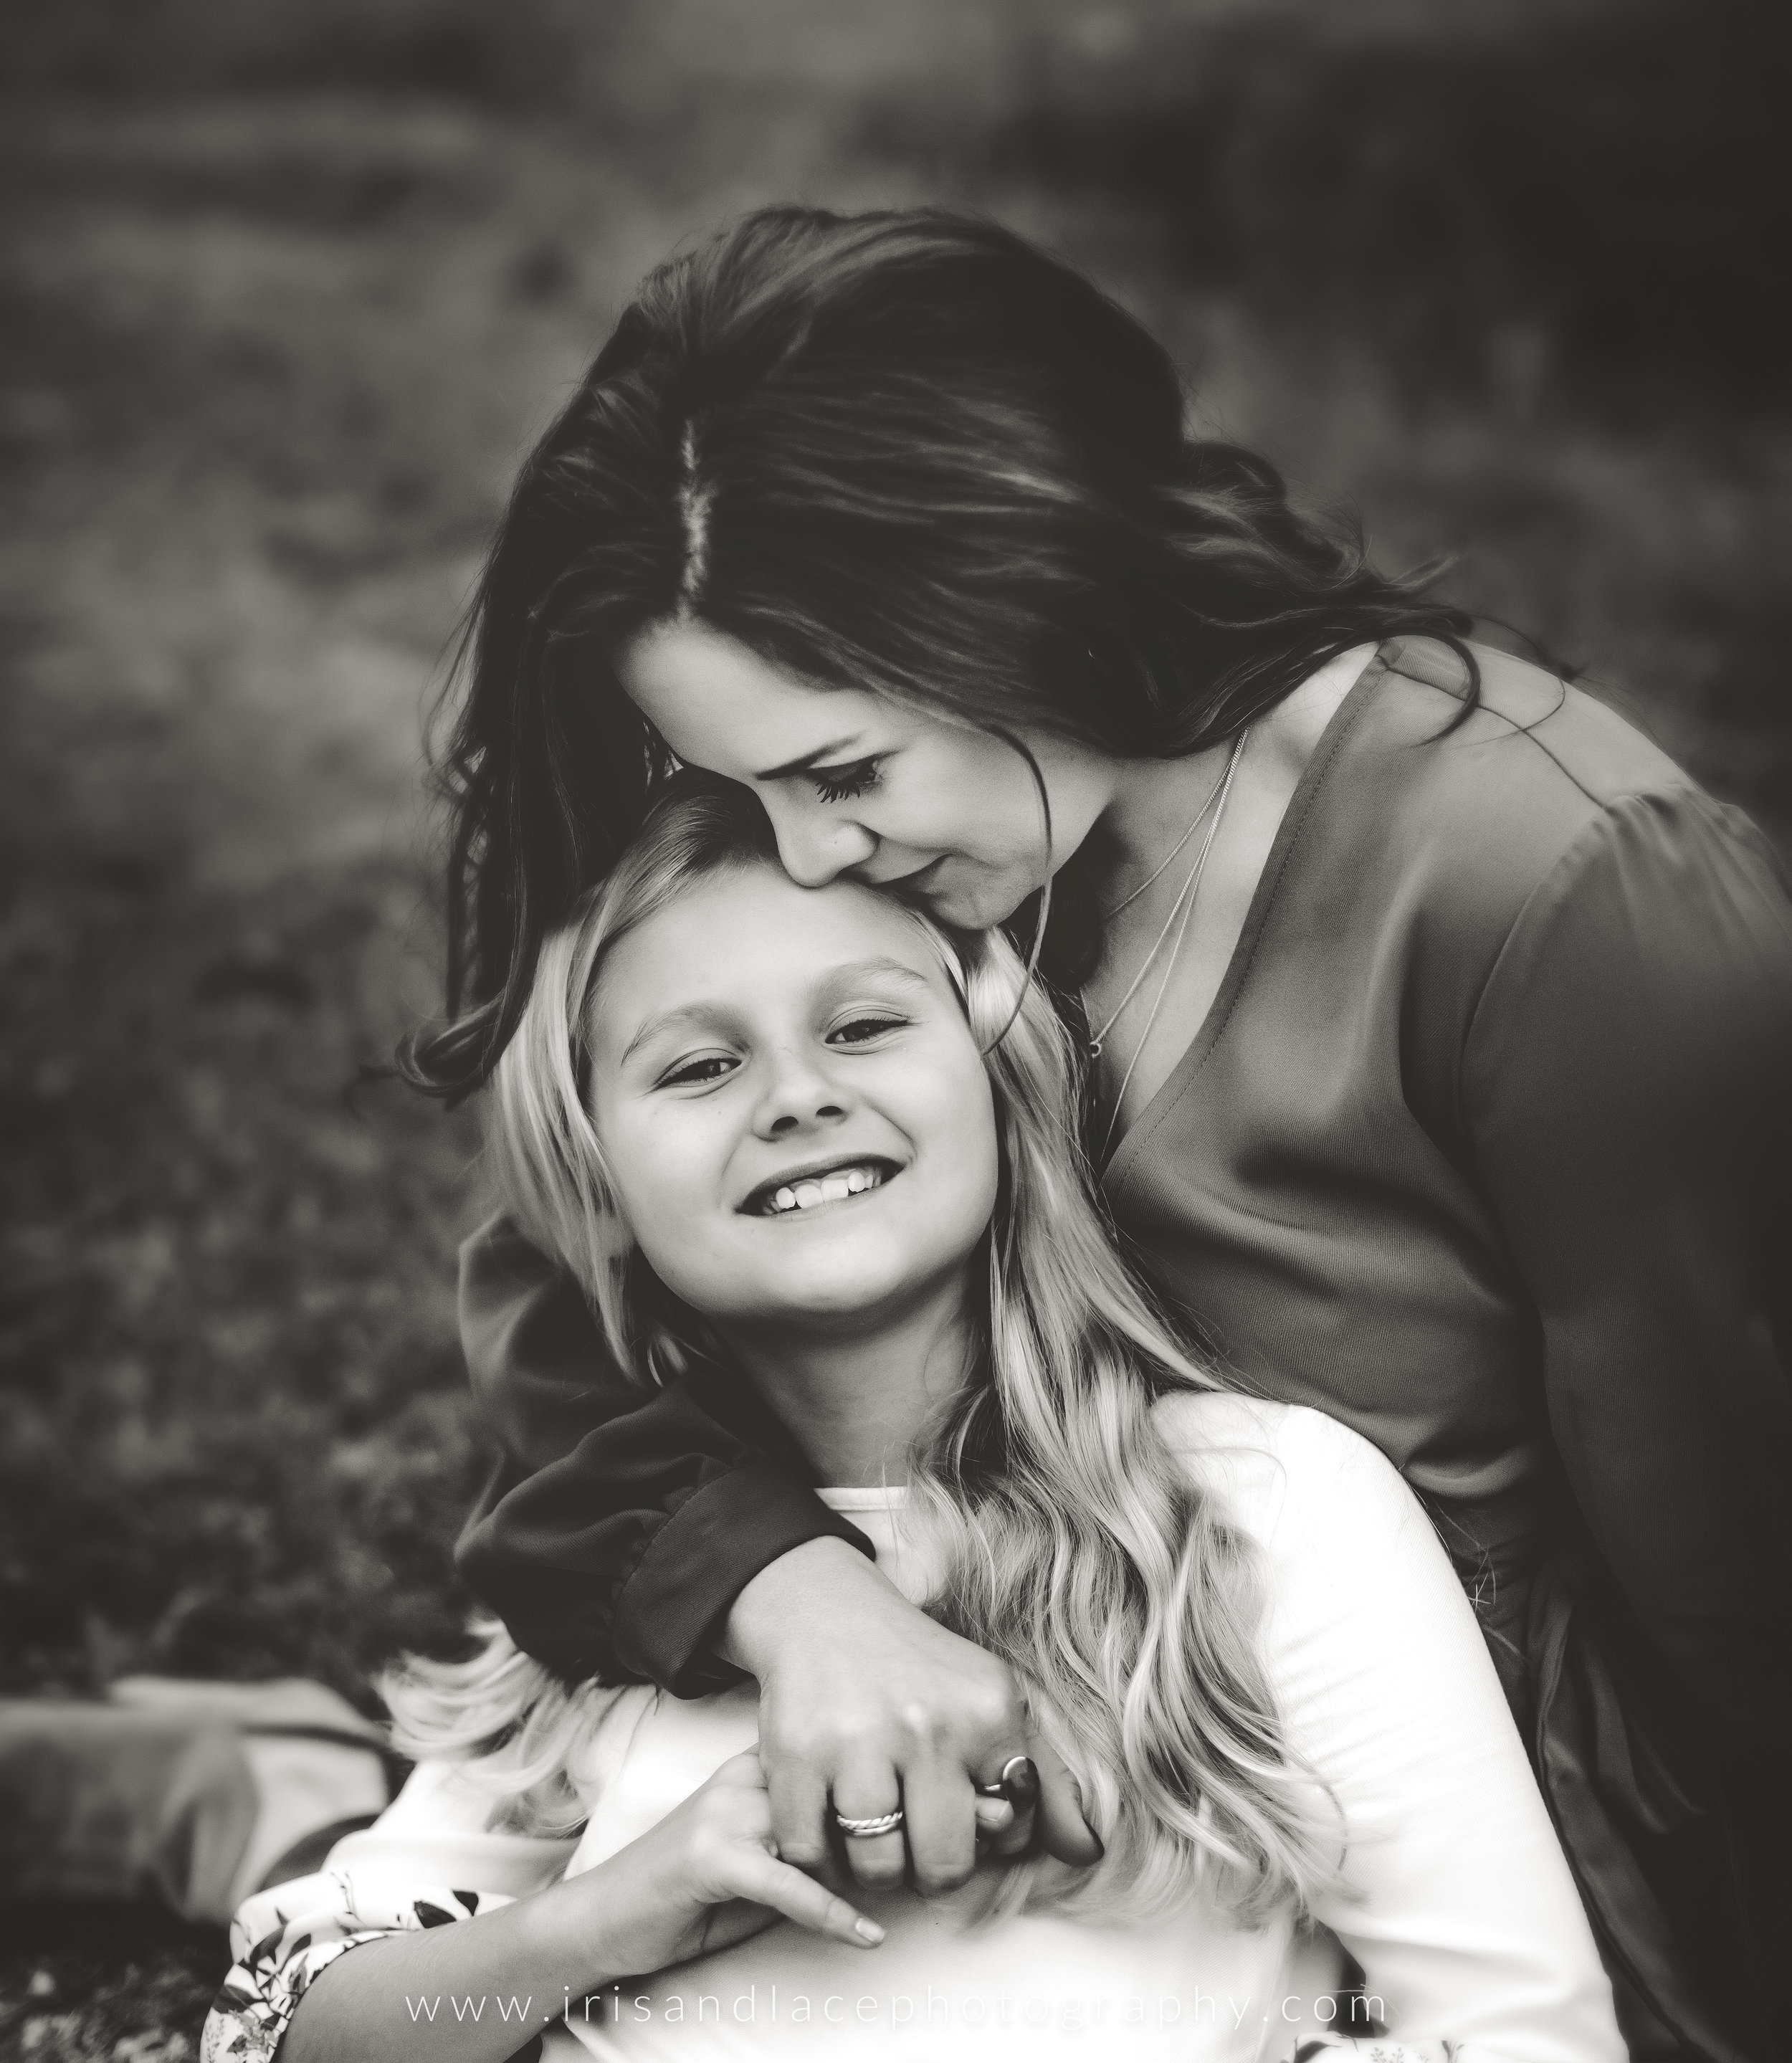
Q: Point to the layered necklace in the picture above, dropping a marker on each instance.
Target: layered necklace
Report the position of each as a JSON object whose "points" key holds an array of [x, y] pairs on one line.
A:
{"points": [[1213, 811]]}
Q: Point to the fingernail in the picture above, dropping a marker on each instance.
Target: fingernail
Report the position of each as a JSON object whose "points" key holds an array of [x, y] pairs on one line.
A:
{"points": [[868, 1930]]}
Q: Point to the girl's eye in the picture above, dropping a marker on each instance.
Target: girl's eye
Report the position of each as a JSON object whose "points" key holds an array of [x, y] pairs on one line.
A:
{"points": [[841, 784], [860, 1030], [706, 1068]]}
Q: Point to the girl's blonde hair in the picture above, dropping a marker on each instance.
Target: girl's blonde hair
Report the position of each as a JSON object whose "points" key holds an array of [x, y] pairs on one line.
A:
{"points": [[1076, 1547]]}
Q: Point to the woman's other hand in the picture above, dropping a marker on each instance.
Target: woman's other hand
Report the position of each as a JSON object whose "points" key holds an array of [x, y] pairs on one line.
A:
{"points": [[707, 1875], [865, 1704]]}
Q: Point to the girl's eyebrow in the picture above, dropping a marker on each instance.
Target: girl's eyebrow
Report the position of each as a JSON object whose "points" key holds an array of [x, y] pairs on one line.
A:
{"points": [[706, 1014], [894, 969], [718, 1013]]}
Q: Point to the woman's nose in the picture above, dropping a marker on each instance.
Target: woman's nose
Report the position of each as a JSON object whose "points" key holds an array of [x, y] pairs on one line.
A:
{"points": [[815, 849], [799, 1093]]}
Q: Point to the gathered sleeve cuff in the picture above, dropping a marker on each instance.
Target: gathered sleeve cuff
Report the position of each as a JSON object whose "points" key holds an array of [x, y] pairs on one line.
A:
{"points": [[283, 1938]]}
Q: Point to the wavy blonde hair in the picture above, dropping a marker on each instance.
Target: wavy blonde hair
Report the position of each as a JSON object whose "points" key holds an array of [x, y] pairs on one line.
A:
{"points": [[1076, 1547]]}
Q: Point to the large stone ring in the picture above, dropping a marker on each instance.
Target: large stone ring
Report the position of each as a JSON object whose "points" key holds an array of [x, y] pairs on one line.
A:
{"points": [[867, 1830], [1018, 1784]]}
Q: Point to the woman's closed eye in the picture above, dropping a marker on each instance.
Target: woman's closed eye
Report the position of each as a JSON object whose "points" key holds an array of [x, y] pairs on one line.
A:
{"points": [[843, 784]]}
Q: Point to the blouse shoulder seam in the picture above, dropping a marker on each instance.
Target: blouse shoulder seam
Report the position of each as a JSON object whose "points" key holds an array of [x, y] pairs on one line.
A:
{"points": [[1554, 888]]}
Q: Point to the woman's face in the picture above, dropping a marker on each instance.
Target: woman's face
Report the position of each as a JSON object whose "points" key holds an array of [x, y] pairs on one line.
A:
{"points": [[859, 785], [791, 1102]]}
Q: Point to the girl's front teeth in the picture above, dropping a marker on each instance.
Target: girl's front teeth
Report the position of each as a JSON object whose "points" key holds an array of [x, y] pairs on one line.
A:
{"points": [[830, 1189]]}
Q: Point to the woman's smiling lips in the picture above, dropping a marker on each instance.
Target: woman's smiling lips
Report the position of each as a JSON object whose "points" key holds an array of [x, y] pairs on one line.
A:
{"points": [[816, 1185]]}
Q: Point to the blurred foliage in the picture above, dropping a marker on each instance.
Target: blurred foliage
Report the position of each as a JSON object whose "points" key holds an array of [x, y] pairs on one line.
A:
{"points": [[1603, 188], [105, 1982], [525, 54], [284, 290]]}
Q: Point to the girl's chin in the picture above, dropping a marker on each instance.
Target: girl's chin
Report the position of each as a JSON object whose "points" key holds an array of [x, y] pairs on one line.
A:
{"points": [[823, 1299]]}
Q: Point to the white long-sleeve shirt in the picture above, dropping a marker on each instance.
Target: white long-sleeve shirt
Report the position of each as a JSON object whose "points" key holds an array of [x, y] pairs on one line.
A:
{"points": [[1454, 1895]]}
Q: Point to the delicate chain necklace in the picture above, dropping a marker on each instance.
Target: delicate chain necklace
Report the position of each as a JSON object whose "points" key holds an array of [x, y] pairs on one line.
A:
{"points": [[1158, 871], [1220, 790], [1182, 909]]}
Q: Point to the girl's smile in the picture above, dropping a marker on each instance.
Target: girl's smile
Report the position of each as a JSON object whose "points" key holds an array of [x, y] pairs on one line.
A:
{"points": [[802, 1191], [792, 1105]]}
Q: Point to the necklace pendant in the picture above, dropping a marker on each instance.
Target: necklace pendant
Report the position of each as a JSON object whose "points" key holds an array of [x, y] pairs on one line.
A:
{"points": [[1095, 1049]]}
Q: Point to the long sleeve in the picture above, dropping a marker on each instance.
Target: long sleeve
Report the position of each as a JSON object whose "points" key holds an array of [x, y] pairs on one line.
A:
{"points": [[1454, 1895], [619, 1524], [412, 1869], [1626, 1085]]}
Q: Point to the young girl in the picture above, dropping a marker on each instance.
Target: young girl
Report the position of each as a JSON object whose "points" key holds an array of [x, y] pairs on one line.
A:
{"points": [[809, 1156]]}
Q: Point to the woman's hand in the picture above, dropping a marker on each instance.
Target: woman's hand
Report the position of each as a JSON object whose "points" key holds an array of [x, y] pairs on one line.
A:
{"points": [[707, 1875], [865, 1704]]}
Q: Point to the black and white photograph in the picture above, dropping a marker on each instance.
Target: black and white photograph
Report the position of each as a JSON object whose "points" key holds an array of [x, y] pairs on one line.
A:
{"points": [[896, 1063]]}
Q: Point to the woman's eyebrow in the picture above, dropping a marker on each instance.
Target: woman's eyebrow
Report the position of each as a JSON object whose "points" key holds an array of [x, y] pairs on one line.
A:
{"points": [[801, 766]]}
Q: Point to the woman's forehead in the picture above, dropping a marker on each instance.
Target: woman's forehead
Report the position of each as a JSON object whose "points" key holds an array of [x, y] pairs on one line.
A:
{"points": [[719, 704]]}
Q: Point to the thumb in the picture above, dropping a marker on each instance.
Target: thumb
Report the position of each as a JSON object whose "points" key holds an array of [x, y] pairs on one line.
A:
{"points": [[1063, 1832]]}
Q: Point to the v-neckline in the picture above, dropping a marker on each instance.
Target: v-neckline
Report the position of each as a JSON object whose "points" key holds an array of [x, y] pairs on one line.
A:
{"points": [[1113, 1172]]}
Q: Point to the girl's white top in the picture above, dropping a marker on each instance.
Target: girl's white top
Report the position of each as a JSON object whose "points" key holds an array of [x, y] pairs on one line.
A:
{"points": [[1455, 1901]]}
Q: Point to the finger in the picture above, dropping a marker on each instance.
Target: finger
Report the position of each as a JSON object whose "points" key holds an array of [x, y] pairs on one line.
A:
{"points": [[941, 1825], [876, 1862], [744, 1771], [767, 1881], [1063, 1831], [866, 1791], [799, 1800], [994, 1816], [1014, 1836], [735, 1920]]}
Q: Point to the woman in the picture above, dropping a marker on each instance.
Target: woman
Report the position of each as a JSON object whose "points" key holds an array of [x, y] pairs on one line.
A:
{"points": [[1439, 1024], [804, 1147]]}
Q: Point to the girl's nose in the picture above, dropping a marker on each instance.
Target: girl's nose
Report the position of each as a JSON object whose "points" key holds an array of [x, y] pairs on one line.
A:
{"points": [[815, 848], [799, 1094]]}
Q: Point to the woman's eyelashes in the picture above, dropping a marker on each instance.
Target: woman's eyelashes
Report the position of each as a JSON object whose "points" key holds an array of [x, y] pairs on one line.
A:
{"points": [[843, 784]]}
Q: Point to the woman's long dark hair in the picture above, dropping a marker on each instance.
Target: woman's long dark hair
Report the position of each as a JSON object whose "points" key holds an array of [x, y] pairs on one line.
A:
{"points": [[905, 452]]}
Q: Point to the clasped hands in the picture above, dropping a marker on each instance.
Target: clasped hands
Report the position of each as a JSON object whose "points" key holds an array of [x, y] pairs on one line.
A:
{"points": [[867, 1704]]}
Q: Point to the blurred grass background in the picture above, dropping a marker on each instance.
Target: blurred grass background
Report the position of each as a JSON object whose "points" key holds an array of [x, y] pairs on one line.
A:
{"points": [[284, 291]]}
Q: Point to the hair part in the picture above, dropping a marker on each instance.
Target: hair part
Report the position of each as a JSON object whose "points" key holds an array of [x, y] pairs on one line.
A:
{"points": [[1075, 1544], [904, 451]]}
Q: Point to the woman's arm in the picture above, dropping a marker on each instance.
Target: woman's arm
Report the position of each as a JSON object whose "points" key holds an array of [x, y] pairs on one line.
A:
{"points": [[669, 1533], [619, 1523], [1455, 1897], [1627, 1085]]}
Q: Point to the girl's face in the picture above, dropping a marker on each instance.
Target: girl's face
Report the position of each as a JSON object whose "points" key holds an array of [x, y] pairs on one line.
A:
{"points": [[791, 1103], [857, 784]]}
